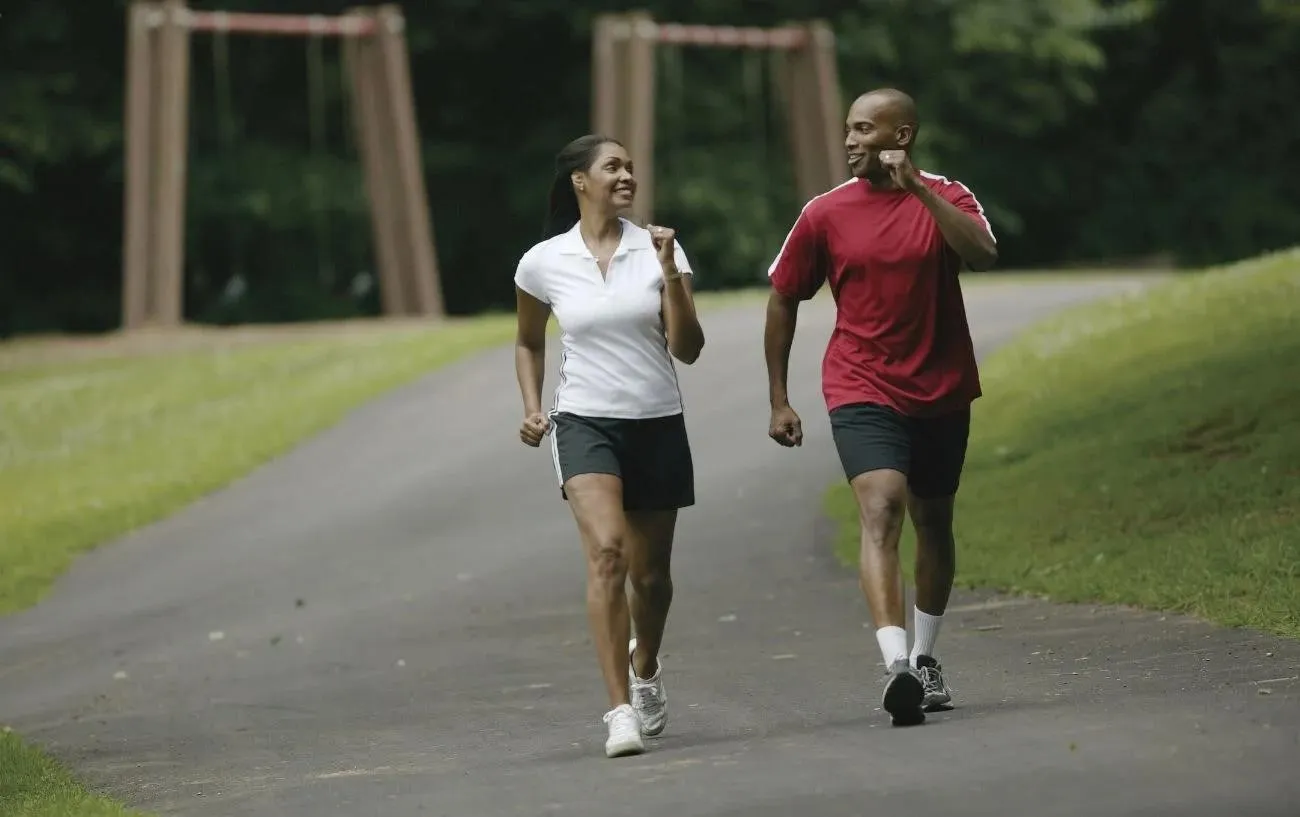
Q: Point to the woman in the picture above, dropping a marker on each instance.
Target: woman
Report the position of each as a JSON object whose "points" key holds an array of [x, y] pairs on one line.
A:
{"points": [[622, 297]]}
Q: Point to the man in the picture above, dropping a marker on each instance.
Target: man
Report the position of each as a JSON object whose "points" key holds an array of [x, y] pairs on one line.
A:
{"points": [[899, 372]]}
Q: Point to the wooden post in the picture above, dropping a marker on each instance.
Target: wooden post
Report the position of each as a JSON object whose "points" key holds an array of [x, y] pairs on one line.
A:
{"points": [[156, 148], [639, 94], [607, 85], [361, 57], [137, 197], [170, 151], [421, 263], [806, 130], [623, 95], [830, 104]]}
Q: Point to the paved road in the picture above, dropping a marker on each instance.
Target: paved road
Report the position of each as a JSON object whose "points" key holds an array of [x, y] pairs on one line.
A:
{"points": [[389, 621]]}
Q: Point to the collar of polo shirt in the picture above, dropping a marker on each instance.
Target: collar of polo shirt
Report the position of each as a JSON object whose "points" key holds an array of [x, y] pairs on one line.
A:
{"points": [[637, 238]]}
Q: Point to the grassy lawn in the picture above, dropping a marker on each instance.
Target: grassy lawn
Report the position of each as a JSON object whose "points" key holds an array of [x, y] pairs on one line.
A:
{"points": [[1144, 450], [95, 444], [31, 785]]}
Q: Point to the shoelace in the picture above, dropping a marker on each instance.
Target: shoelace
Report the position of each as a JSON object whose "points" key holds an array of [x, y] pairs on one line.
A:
{"points": [[621, 723], [931, 679], [646, 696]]}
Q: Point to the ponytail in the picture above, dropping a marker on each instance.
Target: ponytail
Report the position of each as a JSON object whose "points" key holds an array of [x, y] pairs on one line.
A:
{"points": [[562, 209], [562, 204]]}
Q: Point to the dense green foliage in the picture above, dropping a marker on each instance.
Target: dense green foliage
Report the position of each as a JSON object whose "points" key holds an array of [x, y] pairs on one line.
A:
{"points": [[1091, 129]]}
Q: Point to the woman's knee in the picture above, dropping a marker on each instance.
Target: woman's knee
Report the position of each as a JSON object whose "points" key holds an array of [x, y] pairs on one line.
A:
{"points": [[607, 557]]}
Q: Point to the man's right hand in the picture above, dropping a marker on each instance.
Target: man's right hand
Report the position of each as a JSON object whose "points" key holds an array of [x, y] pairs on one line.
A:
{"points": [[785, 427], [534, 429]]}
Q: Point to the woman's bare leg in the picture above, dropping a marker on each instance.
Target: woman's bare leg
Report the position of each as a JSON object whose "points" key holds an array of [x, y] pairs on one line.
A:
{"points": [[597, 504], [650, 548]]}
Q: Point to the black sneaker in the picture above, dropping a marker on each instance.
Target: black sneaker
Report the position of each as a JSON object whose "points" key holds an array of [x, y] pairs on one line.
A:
{"points": [[937, 695], [903, 696]]}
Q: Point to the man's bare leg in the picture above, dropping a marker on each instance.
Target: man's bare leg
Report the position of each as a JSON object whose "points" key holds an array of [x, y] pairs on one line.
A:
{"points": [[882, 505]]}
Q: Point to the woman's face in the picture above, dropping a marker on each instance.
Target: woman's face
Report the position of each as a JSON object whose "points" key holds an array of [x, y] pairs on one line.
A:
{"points": [[608, 182]]}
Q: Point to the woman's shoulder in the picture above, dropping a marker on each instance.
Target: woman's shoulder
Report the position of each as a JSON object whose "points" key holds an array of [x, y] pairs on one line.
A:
{"points": [[542, 248], [542, 254]]}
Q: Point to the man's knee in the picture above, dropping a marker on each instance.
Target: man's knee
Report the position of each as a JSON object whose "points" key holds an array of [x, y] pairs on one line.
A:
{"points": [[882, 502], [932, 513], [932, 519]]}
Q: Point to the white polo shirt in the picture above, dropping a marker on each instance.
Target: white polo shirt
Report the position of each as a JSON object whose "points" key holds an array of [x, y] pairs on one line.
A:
{"points": [[614, 359]]}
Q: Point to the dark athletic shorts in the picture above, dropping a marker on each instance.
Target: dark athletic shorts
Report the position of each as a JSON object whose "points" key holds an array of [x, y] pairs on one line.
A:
{"points": [[931, 451], [652, 457]]}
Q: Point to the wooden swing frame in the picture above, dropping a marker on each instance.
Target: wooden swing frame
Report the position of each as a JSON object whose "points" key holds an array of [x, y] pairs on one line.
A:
{"points": [[623, 92], [156, 160]]}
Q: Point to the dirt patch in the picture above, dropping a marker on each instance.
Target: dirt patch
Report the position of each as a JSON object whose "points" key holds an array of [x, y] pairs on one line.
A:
{"points": [[1221, 437]]}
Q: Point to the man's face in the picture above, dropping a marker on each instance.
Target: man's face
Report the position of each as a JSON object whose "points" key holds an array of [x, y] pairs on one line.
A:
{"points": [[872, 126]]}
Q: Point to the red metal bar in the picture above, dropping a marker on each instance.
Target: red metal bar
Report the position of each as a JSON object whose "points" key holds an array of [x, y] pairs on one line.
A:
{"points": [[290, 24], [731, 36]]}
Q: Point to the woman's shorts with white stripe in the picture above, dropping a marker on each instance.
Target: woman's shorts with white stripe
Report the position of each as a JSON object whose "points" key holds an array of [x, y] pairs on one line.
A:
{"points": [[651, 456]]}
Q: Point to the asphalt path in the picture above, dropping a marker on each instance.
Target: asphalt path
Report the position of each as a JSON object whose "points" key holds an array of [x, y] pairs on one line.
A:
{"points": [[389, 621]]}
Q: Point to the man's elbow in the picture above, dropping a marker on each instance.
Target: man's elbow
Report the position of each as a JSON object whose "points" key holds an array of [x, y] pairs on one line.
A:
{"points": [[985, 259]]}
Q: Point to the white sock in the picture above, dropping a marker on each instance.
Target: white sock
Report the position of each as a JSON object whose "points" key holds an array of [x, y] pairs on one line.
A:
{"points": [[927, 632], [893, 644]]}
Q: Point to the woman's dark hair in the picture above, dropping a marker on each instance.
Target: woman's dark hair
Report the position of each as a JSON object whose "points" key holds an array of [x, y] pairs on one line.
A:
{"points": [[562, 207]]}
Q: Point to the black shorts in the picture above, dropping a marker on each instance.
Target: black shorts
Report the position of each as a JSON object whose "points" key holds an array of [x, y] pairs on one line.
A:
{"points": [[931, 451], [652, 457]]}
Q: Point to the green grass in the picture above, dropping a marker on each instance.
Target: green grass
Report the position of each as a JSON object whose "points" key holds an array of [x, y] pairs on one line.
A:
{"points": [[1143, 450], [101, 436], [92, 447], [32, 785]]}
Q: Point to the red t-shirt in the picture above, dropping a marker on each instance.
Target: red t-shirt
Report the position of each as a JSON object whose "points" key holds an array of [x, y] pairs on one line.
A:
{"points": [[901, 338]]}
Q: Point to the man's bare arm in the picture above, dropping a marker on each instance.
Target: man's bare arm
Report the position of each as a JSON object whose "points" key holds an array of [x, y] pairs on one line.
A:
{"points": [[778, 338], [970, 239]]}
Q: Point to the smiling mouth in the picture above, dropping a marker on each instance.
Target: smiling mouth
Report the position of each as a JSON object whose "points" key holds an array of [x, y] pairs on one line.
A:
{"points": [[854, 158], [626, 190]]}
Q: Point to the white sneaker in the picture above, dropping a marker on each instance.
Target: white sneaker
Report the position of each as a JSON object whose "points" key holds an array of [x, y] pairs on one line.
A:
{"points": [[648, 696], [624, 732]]}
